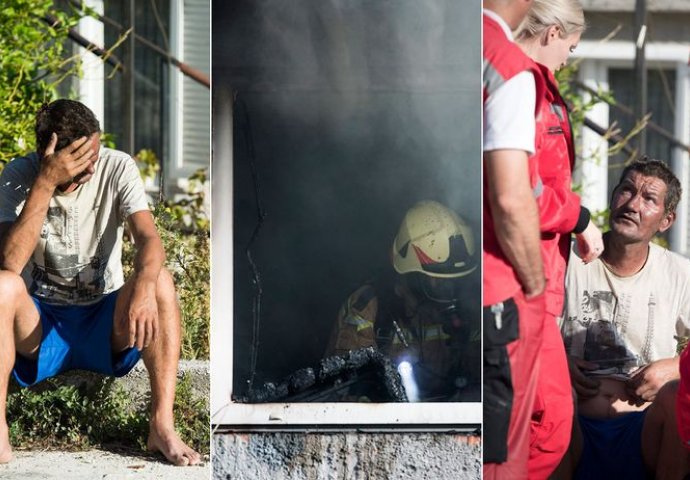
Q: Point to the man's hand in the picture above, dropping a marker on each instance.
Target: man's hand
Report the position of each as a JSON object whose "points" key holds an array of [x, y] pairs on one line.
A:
{"points": [[142, 315], [584, 386], [589, 243], [59, 168], [647, 381]]}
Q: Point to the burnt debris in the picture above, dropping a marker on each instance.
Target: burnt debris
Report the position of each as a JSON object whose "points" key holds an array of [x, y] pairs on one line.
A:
{"points": [[360, 375]]}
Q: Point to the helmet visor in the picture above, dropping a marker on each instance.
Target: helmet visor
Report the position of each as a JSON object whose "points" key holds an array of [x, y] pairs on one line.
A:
{"points": [[441, 290]]}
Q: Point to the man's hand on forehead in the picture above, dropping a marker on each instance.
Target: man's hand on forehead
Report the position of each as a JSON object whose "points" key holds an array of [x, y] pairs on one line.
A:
{"points": [[59, 168], [90, 169]]}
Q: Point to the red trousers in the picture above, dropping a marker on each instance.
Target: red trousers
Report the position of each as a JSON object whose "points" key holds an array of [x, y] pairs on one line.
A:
{"points": [[552, 416], [525, 359]]}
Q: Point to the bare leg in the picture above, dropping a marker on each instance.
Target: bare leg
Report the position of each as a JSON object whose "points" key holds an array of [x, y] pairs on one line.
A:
{"points": [[662, 450], [20, 331], [161, 359]]}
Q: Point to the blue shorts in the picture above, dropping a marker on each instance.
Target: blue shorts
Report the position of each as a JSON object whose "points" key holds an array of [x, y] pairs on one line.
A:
{"points": [[75, 336], [612, 448]]}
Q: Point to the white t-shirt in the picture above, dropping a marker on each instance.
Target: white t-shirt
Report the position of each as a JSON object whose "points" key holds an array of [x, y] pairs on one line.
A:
{"points": [[78, 256], [509, 111], [626, 322]]}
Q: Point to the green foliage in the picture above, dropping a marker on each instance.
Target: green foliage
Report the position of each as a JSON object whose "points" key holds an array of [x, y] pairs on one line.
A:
{"points": [[55, 415], [184, 228], [148, 163], [601, 219], [188, 259], [108, 140], [188, 213], [34, 61], [578, 104]]}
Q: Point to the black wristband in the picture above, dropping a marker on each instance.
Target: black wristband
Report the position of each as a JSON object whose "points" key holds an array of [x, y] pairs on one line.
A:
{"points": [[582, 221]]}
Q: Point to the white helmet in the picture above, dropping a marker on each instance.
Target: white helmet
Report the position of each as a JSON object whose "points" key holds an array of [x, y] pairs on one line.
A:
{"points": [[435, 241]]}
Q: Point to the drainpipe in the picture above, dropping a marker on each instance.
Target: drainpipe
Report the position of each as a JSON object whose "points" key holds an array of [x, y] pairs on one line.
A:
{"points": [[641, 70]]}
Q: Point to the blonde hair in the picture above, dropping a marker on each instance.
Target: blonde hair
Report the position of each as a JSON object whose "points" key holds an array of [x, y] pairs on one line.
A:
{"points": [[568, 15]]}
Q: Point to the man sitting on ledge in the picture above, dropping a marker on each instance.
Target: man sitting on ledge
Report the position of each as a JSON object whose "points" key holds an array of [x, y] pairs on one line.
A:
{"points": [[621, 315], [64, 303]]}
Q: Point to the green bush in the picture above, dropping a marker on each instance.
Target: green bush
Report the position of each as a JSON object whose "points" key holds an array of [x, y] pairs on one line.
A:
{"points": [[188, 259], [184, 229], [53, 415], [34, 62]]}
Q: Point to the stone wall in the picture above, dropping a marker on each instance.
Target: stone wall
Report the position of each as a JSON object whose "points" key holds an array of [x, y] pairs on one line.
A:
{"points": [[321, 456]]}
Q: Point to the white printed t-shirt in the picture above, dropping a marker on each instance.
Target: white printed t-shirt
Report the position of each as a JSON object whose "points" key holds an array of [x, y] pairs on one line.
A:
{"points": [[622, 323], [78, 256]]}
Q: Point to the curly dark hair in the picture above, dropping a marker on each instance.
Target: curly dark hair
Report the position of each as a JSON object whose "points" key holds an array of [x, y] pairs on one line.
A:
{"points": [[69, 119], [656, 168]]}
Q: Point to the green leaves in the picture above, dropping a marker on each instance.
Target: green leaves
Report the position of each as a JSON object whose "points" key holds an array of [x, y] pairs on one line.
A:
{"points": [[56, 415], [34, 61], [184, 227]]}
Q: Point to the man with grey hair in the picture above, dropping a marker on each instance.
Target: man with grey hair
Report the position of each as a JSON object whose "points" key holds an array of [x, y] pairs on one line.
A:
{"points": [[621, 316]]}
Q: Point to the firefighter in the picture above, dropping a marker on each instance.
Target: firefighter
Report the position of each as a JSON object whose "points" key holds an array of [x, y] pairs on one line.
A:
{"points": [[421, 314]]}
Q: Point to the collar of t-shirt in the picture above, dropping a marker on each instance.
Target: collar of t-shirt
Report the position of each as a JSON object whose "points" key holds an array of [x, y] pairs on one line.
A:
{"points": [[497, 18]]}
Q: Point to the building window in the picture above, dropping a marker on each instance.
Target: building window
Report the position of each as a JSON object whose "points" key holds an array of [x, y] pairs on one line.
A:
{"points": [[171, 110], [151, 78], [330, 122], [661, 98]]}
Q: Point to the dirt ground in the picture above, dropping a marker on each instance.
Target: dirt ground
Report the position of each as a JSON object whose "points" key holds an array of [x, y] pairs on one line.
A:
{"points": [[97, 464]]}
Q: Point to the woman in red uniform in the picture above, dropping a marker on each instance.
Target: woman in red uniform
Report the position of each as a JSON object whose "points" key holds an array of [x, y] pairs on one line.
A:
{"points": [[549, 33]]}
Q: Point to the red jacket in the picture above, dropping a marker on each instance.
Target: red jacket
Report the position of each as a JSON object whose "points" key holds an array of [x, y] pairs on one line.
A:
{"points": [[502, 60], [559, 207]]}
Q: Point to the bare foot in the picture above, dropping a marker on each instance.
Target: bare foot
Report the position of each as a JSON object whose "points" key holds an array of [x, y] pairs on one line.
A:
{"points": [[6, 455], [5, 448], [172, 447]]}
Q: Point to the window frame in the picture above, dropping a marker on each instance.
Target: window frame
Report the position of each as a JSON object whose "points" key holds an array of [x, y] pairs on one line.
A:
{"points": [[227, 415]]}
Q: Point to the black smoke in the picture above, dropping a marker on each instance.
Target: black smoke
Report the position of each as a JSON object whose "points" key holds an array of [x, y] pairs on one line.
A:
{"points": [[350, 111]]}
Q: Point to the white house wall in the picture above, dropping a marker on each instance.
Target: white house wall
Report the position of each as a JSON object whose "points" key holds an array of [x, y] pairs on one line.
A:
{"points": [[221, 234], [593, 173], [681, 160], [190, 119], [90, 86]]}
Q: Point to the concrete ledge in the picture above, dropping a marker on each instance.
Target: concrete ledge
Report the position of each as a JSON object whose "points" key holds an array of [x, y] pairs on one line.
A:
{"points": [[136, 382], [356, 456]]}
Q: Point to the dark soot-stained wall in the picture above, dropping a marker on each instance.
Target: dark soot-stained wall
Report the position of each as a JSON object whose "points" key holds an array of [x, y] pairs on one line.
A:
{"points": [[351, 111]]}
